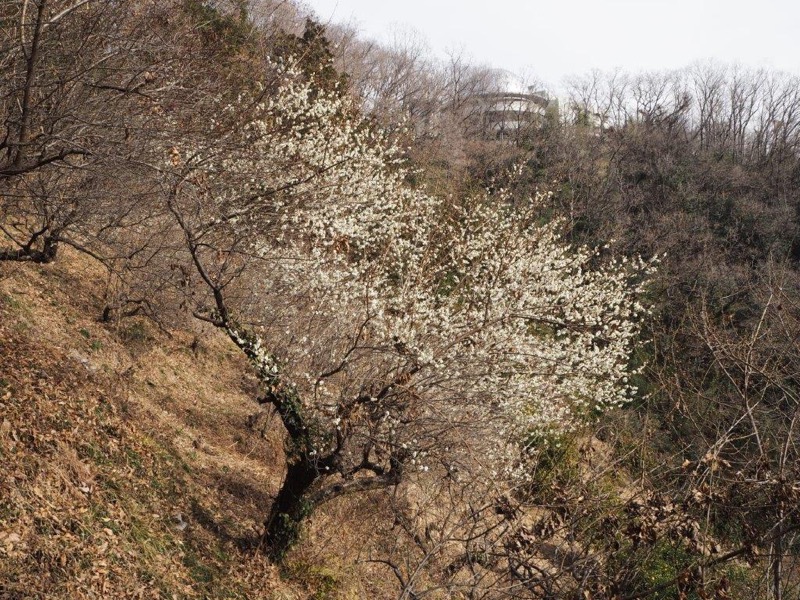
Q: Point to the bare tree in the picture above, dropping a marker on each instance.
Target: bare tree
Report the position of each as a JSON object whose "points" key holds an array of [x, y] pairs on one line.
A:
{"points": [[80, 83]]}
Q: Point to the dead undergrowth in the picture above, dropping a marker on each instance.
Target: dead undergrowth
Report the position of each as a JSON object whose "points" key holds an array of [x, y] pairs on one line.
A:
{"points": [[130, 470]]}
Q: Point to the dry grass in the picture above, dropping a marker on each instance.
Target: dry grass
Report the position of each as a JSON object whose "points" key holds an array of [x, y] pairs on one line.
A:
{"points": [[109, 432]]}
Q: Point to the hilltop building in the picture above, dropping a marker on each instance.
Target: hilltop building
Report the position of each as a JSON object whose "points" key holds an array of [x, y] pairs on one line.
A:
{"points": [[512, 108], [504, 114]]}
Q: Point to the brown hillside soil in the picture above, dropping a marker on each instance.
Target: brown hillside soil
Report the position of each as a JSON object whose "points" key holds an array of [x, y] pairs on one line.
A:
{"points": [[129, 469]]}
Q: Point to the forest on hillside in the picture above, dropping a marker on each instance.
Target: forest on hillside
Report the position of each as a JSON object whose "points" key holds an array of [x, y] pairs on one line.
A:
{"points": [[563, 361]]}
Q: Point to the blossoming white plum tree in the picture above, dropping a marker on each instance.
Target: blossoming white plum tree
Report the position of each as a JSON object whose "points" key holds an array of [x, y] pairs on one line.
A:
{"points": [[394, 332]]}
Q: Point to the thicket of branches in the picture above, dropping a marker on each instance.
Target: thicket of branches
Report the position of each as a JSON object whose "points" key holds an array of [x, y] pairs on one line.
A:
{"points": [[700, 166]]}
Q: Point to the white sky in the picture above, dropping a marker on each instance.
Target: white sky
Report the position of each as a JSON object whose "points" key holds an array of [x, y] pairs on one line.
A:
{"points": [[554, 39]]}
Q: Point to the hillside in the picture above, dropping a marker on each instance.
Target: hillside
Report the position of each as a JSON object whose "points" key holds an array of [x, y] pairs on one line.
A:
{"points": [[139, 466], [129, 467]]}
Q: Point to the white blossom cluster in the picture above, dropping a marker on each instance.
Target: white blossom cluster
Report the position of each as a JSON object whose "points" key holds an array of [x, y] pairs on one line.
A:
{"points": [[406, 322]]}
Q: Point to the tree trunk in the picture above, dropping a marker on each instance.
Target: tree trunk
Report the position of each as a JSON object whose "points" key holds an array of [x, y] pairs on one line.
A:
{"points": [[27, 254], [291, 507], [777, 562], [30, 76]]}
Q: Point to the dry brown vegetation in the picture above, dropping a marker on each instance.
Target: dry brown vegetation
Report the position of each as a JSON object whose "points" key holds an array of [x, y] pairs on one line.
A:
{"points": [[113, 436]]}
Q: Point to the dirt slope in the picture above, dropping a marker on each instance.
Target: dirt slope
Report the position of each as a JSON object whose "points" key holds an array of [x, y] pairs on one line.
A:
{"points": [[129, 469]]}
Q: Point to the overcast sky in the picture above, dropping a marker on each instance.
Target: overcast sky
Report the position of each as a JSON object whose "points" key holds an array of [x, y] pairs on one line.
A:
{"points": [[558, 38]]}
